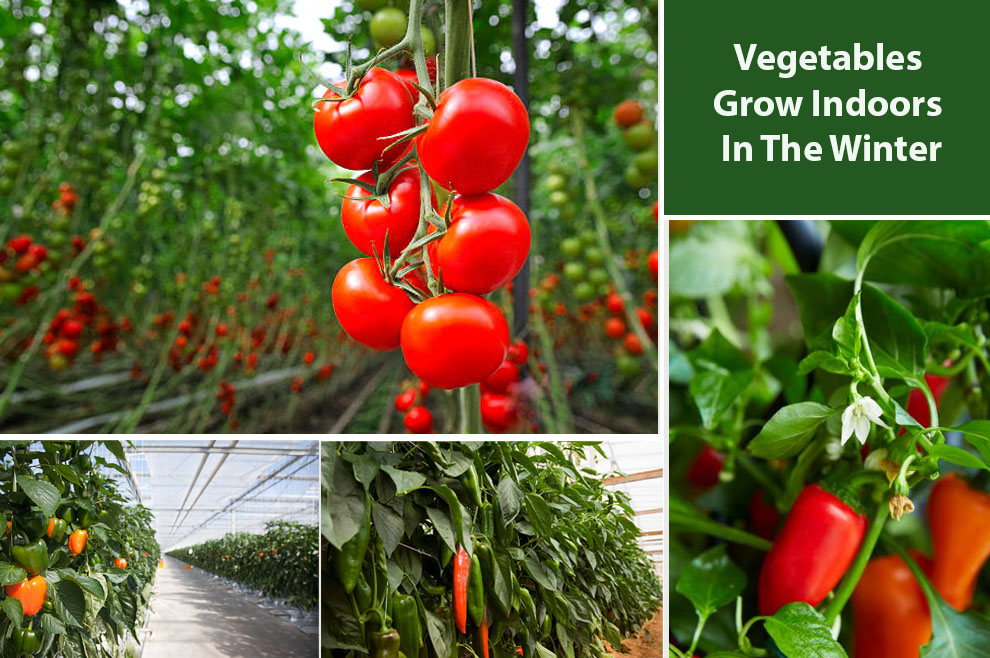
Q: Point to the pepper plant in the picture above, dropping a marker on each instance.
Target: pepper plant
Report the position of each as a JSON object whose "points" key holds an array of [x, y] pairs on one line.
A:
{"points": [[812, 414], [67, 524], [459, 549], [280, 563]]}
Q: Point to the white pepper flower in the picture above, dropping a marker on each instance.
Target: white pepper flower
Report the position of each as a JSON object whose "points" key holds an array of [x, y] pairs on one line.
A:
{"points": [[857, 417]]}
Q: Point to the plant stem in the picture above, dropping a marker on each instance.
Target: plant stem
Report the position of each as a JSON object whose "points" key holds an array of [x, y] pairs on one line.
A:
{"points": [[852, 577], [457, 53], [469, 400]]}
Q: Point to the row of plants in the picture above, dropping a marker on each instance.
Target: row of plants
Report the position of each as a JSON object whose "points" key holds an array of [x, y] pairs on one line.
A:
{"points": [[829, 433], [461, 549], [77, 560], [280, 563]]}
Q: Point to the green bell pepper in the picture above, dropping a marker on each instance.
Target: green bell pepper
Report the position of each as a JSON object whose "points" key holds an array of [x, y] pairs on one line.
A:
{"points": [[32, 557], [476, 591], [35, 526], [385, 645], [405, 616], [25, 641], [67, 514], [348, 560]]}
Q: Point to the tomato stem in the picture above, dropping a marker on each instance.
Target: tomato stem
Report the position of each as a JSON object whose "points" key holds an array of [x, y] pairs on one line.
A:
{"points": [[469, 401]]}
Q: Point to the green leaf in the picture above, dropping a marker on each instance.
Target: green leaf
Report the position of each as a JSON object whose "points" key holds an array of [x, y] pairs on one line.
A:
{"points": [[13, 609], [347, 505], [715, 392], [43, 494], [977, 434], [510, 499], [459, 519], [954, 634], [789, 430], [711, 581], [826, 361], [388, 525], [441, 523], [536, 571], [69, 602], [798, 630], [897, 339], [539, 514], [405, 481], [958, 456], [11, 574], [820, 298], [684, 515]]}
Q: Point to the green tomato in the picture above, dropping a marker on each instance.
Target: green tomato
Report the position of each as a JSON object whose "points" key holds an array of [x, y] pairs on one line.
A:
{"points": [[588, 238], [604, 289], [12, 149], [388, 26], [429, 41], [647, 161], [575, 271], [9, 292], [556, 182], [559, 198], [598, 276], [640, 136], [594, 256], [570, 247], [627, 365], [636, 178], [584, 291]]}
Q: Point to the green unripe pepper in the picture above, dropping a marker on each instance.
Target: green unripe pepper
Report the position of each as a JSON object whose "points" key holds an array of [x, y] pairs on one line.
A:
{"points": [[476, 591], [528, 605], [85, 518], [57, 529], [385, 645], [363, 594], [348, 560], [445, 554], [67, 514], [25, 641], [470, 481], [487, 519], [405, 617], [32, 557], [35, 526], [381, 568]]}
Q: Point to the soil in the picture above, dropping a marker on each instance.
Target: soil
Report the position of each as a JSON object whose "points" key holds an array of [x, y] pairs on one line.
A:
{"points": [[647, 643]]}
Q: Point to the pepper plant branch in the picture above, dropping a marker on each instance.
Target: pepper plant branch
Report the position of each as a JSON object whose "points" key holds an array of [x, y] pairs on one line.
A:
{"points": [[855, 571]]}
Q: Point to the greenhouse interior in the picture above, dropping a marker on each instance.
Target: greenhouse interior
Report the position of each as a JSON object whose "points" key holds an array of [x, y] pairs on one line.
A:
{"points": [[162, 548]]}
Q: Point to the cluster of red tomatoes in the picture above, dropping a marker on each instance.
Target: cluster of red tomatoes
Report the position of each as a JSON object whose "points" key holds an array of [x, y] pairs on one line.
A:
{"points": [[641, 137], [417, 418], [20, 263], [67, 327], [450, 335], [501, 400]]}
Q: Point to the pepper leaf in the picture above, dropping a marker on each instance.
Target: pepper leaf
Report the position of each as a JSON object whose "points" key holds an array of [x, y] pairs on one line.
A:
{"points": [[788, 430], [798, 630], [711, 581], [43, 494]]}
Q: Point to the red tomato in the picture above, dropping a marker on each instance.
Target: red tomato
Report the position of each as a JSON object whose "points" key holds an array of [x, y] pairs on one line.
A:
{"points": [[627, 113], [370, 310], [654, 263], [476, 138], [504, 375], [405, 400], [424, 389], [632, 344], [72, 329], [615, 328], [20, 244], [410, 80], [498, 412], [519, 352], [645, 319], [484, 247], [419, 420], [350, 131], [366, 220], [39, 252], [454, 340], [614, 303]]}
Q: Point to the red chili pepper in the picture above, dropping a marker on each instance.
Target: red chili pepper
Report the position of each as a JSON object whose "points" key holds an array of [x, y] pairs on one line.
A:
{"points": [[959, 520], [890, 613], [483, 636], [462, 570], [814, 548], [763, 515], [706, 467]]}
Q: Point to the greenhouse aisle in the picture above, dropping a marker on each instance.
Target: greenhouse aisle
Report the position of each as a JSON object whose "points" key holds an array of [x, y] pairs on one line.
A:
{"points": [[194, 617]]}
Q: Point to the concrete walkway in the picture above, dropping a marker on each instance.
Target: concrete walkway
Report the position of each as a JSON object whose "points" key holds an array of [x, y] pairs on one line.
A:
{"points": [[194, 618]]}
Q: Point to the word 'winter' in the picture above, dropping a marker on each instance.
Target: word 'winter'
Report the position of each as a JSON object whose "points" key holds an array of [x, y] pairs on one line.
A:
{"points": [[844, 148]]}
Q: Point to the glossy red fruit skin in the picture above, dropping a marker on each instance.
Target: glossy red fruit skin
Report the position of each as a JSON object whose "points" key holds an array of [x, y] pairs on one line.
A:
{"points": [[763, 515], [370, 310], [366, 220], [503, 377], [349, 131], [498, 412], [813, 549], [405, 400], [706, 467], [418, 420], [454, 340], [890, 612], [519, 353], [476, 138], [484, 247]]}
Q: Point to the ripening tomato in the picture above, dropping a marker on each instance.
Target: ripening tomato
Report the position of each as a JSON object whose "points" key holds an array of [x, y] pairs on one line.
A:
{"points": [[477, 136], [615, 328], [366, 219], [500, 380], [485, 245], [419, 420], [350, 131], [519, 352], [654, 263], [498, 412], [627, 113], [454, 340], [614, 303], [405, 400], [632, 344], [368, 308]]}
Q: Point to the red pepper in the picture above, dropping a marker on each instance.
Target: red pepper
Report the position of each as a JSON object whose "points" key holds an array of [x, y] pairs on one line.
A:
{"points": [[706, 467], [959, 520], [763, 515], [481, 637], [814, 548], [890, 613], [462, 570]]}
